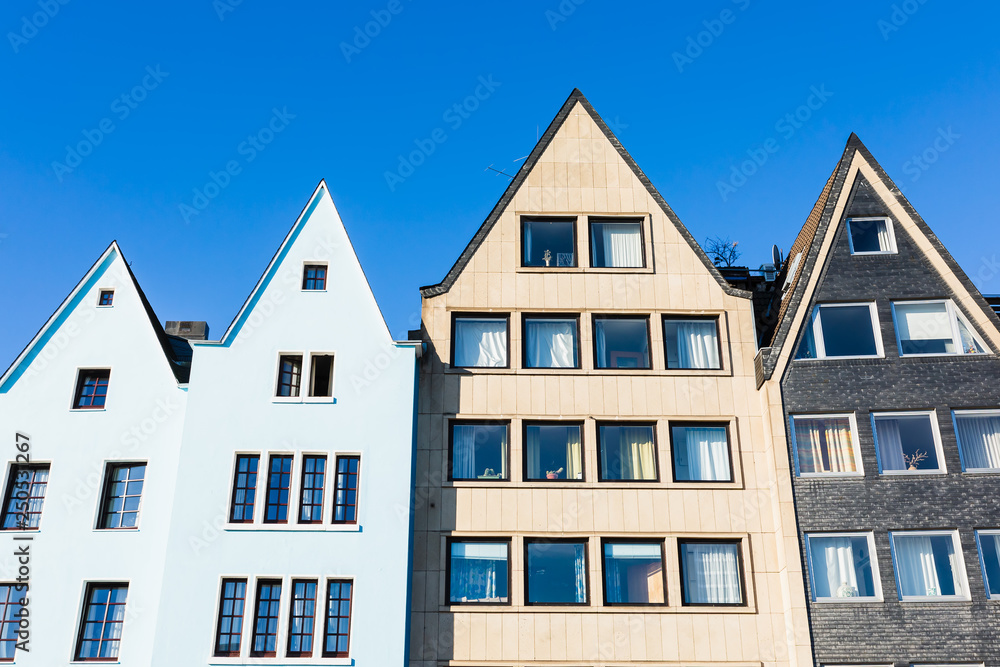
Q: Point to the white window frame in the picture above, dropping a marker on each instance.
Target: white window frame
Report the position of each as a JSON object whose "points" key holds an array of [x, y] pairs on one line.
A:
{"points": [[935, 433], [956, 335], [982, 562], [876, 577], [308, 377], [859, 464], [305, 377], [960, 559], [817, 331], [893, 249], [955, 414]]}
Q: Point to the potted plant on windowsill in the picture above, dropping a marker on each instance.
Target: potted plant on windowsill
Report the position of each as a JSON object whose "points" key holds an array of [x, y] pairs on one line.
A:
{"points": [[553, 474], [912, 462]]}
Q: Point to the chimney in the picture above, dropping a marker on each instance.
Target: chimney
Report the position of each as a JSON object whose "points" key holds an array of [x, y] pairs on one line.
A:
{"points": [[189, 330]]}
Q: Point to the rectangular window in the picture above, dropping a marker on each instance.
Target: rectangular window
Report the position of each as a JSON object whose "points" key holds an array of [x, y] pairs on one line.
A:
{"points": [[692, 343], [616, 244], [289, 375], [321, 376], [479, 451], [627, 452], [548, 242], [107, 297], [556, 572], [929, 565], [826, 445], [229, 632], [101, 625], [279, 484], [551, 342], [345, 499], [478, 572], [10, 617], [710, 573], [908, 443], [634, 573], [552, 452], [480, 342], [842, 330], [92, 389], [313, 478], [621, 342], [244, 489], [314, 277], [265, 619], [989, 559], [843, 567], [336, 637], [934, 327], [701, 452], [122, 495], [871, 236], [302, 618], [978, 434], [22, 506]]}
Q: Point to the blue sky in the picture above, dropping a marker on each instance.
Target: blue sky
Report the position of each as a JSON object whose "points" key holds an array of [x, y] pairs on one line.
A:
{"points": [[692, 92]]}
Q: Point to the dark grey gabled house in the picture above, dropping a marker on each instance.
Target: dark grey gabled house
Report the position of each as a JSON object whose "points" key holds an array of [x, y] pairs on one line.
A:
{"points": [[886, 359]]}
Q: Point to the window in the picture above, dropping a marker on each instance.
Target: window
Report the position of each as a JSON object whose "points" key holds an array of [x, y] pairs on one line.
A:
{"points": [[106, 298], [230, 629], [478, 572], [826, 445], [551, 342], [10, 617], [934, 327], [552, 452], [314, 277], [710, 573], [978, 439], [908, 443], [265, 619], [989, 559], [122, 494], [842, 566], [480, 342], [244, 488], [842, 330], [101, 625], [621, 342], [289, 375], [92, 389], [634, 573], [479, 451], [302, 618], [336, 639], [548, 242], [929, 565], [701, 452], [871, 236], [627, 452], [25, 497], [321, 376], [345, 499], [313, 477], [692, 343], [279, 483], [616, 244], [556, 572]]}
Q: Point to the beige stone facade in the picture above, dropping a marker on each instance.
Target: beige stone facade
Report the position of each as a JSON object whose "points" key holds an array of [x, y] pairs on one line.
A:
{"points": [[579, 172]]}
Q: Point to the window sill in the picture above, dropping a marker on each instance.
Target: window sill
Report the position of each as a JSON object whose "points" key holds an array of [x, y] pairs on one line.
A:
{"points": [[293, 528], [586, 484], [912, 473], [858, 358], [937, 599], [982, 471], [593, 608], [86, 410], [299, 400], [588, 372], [830, 475], [583, 269], [852, 600], [874, 253], [944, 355], [280, 662]]}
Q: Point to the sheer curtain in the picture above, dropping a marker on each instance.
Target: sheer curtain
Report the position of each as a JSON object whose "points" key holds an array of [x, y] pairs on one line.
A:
{"points": [[463, 444], [712, 574], [551, 343], [622, 245], [581, 575], [635, 454], [481, 343], [478, 572], [890, 444], [884, 240], [600, 341], [916, 568], [979, 437], [825, 445], [574, 454], [533, 445], [527, 242], [697, 345], [833, 566], [708, 454]]}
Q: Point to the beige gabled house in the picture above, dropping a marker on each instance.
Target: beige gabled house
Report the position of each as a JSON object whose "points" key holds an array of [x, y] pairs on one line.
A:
{"points": [[596, 482]]}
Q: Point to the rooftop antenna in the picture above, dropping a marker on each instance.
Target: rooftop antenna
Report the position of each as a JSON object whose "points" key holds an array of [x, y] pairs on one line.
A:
{"points": [[499, 171]]}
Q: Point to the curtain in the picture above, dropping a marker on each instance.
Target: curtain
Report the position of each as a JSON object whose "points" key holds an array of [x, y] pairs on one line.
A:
{"points": [[463, 461], [979, 438], [890, 444], [622, 245], [708, 454], [601, 341], [884, 242], [581, 575], [533, 442], [634, 452], [969, 343], [825, 445], [916, 568], [478, 572], [574, 454], [697, 344], [527, 243], [713, 575], [551, 343], [481, 343], [833, 566]]}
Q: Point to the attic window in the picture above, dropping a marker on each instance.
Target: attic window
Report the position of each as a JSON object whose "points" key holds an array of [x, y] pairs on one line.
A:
{"points": [[106, 298], [871, 236], [616, 244], [548, 242], [91, 389], [314, 278]]}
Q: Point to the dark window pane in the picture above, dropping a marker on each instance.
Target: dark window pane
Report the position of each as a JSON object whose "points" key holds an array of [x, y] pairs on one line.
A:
{"points": [[336, 636], [870, 236], [230, 629], [123, 491], [314, 277], [989, 545], [633, 573], [265, 621], [345, 498], [557, 573], [906, 442], [548, 243], [628, 452], [621, 342], [92, 389], [302, 619], [107, 298], [289, 375], [478, 572], [321, 375], [10, 616], [103, 617], [553, 451], [847, 331], [479, 451], [244, 489], [279, 481], [25, 496]]}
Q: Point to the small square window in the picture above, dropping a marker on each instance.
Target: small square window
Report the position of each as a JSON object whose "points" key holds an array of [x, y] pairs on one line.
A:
{"points": [[556, 572], [826, 445], [616, 244], [321, 376], [107, 297], [934, 327], [479, 451], [627, 452], [22, 508], [692, 343], [122, 495], [92, 389], [314, 277], [621, 342], [842, 330], [548, 242], [101, 625], [551, 342], [634, 573], [929, 566], [478, 572], [711, 573], [289, 375], [908, 443], [871, 236], [552, 452], [989, 559], [843, 567], [978, 434], [479, 342], [701, 452], [345, 493]]}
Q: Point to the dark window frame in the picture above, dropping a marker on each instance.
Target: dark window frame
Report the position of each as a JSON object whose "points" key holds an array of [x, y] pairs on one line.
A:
{"points": [[315, 279], [656, 451], [573, 221], [663, 570], [451, 447], [525, 423], [321, 489], [701, 424], [585, 541], [357, 490], [577, 352], [248, 489], [106, 298], [12, 482], [294, 379], [105, 515], [269, 488], [450, 540], [292, 616], [91, 587], [254, 634], [621, 316], [327, 616], [98, 374], [8, 619], [740, 571], [482, 316], [699, 318], [220, 616], [591, 220]]}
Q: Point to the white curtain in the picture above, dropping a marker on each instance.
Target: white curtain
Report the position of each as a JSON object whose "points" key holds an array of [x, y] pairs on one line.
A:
{"points": [[481, 343], [697, 345], [622, 245], [979, 437], [478, 572], [833, 567], [708, 454], [602, 346], [581, 575], [884, 241], [890, 444], [916, 568], [551, 343], [712, 574], [463, 444], [925, 321]]}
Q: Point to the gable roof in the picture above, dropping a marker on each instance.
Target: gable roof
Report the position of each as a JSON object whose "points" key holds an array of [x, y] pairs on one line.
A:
{"points": [[529, 164]]}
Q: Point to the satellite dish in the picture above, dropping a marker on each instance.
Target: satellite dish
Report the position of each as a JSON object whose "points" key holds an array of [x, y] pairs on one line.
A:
{"points": [[776, 256]]}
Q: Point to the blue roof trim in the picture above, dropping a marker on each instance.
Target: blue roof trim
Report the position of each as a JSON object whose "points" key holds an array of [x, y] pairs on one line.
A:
{"points": [[54, 326]]}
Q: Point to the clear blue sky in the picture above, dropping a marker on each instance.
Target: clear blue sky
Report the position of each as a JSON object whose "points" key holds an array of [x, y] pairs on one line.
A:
{"points": [[686, 123]]}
